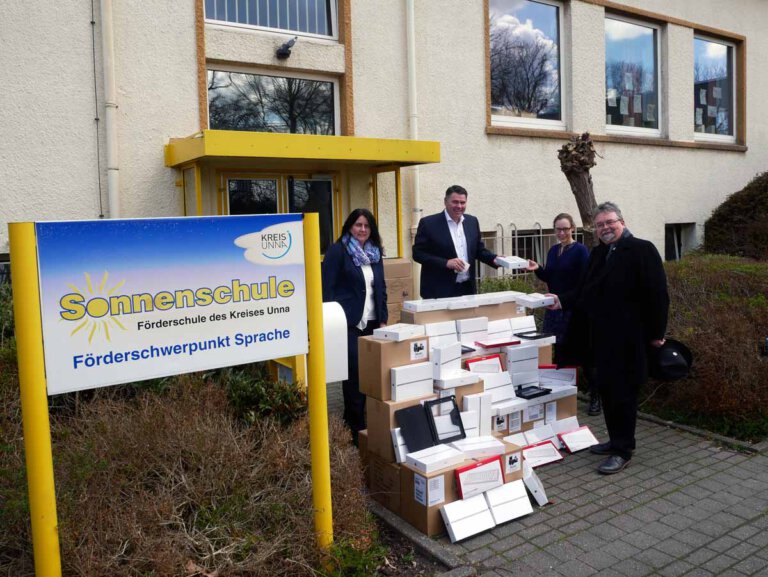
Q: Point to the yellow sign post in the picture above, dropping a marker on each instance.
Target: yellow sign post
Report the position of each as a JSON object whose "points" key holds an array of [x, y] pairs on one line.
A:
{"points": [[34, 399]]}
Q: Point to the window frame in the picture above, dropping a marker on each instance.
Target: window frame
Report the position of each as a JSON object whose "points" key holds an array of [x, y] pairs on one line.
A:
{"points": [[723, 138], [640, 131], [334, 36], [276, 73], [500, 121]]}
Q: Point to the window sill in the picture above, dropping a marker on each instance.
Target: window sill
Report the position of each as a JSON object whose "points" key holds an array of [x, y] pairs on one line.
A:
{"points": [[565, 135]]}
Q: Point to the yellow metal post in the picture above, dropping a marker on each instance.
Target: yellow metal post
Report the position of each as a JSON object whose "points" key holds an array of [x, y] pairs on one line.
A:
{"points": [[318, 402], [34, 400], [399, 212]]}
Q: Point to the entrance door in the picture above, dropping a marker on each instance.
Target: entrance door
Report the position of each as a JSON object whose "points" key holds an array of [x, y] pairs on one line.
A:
{"points": [[272, 194]]}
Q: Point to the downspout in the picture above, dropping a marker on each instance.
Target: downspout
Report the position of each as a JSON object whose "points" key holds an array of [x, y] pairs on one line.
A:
{"points": [[110, 111], [413, 130]]}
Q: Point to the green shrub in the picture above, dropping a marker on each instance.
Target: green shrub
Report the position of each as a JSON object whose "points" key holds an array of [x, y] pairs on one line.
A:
{"points": [[739, 226], [254, 394], [526, 283], [718, 308], [6, 314]]}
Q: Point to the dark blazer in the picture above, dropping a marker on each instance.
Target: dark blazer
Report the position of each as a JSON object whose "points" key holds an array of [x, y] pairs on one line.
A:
{"points": [[619, 307], [433, 248], [344, 283]]}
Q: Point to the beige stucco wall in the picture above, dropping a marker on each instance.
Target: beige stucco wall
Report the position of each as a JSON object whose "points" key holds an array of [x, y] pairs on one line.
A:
{"points": [[48, 147], [518, 179]]}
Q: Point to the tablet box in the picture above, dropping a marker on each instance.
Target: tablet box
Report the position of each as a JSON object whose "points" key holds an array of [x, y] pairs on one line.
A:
{"points": [[436, 316], [479, 477], [424, 305], [412, 381], [446, 359], [480, 447], [377, 357], [423, 495], [434, 458], [535, 300], [456, 379], [509, 501], [440, 334], [380, 417], [522, 359], [384, 483], [512, 262], [398, 332], [472, 329], [481, 403], [466, 518]]}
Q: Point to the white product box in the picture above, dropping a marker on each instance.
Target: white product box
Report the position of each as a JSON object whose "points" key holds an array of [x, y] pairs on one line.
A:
{"points": [[442, 333], [521, 324], [541, 454], [411, 381], [512, 262], [398, 332], [471, 330], [565, 425], [467, 517], [522, 359], [526, 378], [535, 300], [541, 433], [494, 345], [420, 306], [434, 458], [499, 329], [516, 439], [481, 403], [482, 365], [457, 378], [510, 501], [578, 440], [508, 296], [480, 447], [554, 376], [398, 443], [534, 485], [499, 385], [471, 423], [479, 477], [465, 302], [513, 405], [446, 359]]}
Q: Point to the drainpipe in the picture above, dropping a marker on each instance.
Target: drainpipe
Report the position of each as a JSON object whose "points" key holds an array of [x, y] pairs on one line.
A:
{"points": [[413, 129], [110, 112]]}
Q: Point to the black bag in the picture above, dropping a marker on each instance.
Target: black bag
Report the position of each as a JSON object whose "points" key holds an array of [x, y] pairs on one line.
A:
{"points": [[671, 361]]}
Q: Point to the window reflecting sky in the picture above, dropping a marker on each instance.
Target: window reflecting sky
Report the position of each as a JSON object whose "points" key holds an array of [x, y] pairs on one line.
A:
{"points": [[631, 44]]}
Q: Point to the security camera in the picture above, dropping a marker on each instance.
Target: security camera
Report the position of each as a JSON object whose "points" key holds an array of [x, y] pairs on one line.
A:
{"points": [[285, 49]]}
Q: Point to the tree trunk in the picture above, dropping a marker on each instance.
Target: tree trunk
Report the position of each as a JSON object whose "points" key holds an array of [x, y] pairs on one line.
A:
{"points": [[576, 158]]}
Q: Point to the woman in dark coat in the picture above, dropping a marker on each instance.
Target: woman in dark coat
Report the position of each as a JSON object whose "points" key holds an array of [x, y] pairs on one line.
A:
{"points": [[353, 276], [566, 262]]}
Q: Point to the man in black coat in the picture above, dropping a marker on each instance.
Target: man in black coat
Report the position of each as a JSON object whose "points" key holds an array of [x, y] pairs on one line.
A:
{"points": [[620, 310], [447, 244]]}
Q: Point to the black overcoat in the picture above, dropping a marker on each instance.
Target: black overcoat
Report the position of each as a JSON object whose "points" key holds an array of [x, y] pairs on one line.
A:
{"points": [[620, 305]]}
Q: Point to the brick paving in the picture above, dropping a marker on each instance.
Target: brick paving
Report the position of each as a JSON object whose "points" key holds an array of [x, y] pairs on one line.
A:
{"points": [[684, 506]]}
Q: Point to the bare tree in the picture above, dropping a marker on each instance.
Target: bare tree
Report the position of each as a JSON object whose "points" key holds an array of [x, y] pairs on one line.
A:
{"points": [[523, 77], [576, 158]]}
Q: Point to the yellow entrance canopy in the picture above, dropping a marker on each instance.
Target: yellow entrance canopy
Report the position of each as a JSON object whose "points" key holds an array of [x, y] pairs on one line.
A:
{"points": [[210, 144]]}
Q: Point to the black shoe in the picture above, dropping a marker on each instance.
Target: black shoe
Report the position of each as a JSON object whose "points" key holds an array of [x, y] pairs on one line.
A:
{"points": [[612, 465], [594, 406], [602, 449]]}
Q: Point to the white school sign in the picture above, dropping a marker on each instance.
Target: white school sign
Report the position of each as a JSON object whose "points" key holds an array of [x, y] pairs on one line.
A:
{"points": [[127, 300]]}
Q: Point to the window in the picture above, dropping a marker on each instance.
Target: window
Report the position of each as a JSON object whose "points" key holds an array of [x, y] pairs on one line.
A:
{"points": [[260, 103], [713, 90], [632, 104], [317, 17], [679, 239], [525, 64]]}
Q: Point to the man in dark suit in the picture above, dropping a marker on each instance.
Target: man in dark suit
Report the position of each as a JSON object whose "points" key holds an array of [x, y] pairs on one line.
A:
{"points": [[447, 245], [619, 311]]}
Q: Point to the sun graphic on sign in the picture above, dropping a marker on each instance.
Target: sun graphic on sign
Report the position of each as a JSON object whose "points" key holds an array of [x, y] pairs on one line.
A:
{"points": [[98, 308]]}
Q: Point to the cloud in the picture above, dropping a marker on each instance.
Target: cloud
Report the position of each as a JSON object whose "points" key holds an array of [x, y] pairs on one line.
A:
{"points": [[716, 51], [617, 30], [277, 245], [523, 32]]}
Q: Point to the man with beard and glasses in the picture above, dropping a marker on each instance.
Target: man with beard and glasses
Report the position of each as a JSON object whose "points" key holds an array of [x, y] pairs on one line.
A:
{"points": [[620, 309]]}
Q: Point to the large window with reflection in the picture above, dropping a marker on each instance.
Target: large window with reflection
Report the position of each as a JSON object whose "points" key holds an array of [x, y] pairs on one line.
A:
{"points": [[713, 89], [262, 103], [632, 104], [314, 17], [525, 63]]}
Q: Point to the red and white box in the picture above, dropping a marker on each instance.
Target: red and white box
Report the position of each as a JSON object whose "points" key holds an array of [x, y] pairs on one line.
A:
{"points": [[479, 477]]}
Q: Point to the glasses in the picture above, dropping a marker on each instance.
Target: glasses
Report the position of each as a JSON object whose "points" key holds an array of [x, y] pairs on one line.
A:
{"points": [[563, 229], [605, 224]]}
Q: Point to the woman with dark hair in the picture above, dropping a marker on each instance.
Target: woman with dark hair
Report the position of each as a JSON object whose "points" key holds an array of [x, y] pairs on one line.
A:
{"points": [[353, 276], [566, 262]]}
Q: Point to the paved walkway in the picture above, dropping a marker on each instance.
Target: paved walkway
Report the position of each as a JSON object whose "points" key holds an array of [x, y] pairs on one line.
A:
{"points": [[684, 506]]}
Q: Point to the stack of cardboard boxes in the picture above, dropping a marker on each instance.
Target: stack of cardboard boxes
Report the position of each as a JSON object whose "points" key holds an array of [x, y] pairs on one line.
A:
{"points": [[410, 488]]}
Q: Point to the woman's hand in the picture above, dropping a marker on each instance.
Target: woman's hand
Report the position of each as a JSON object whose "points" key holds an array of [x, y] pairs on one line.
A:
{"points": [[532, 265]]}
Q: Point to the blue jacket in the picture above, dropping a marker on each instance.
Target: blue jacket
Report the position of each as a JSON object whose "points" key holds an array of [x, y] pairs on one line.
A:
{"points": [[433, 248], [344, 283]]}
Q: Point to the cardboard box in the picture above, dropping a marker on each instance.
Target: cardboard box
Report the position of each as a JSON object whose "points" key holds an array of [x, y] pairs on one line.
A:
{"points": [[545, 355], [507, 310], [399, 290], [464, 390], [384, 483], [422, 496], [380, 417], [377, 357], [397, 268], [513, 462], [437, 316]]}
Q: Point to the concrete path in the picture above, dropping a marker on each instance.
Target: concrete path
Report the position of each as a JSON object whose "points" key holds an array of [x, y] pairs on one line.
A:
{"points": [[684, 506]]}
